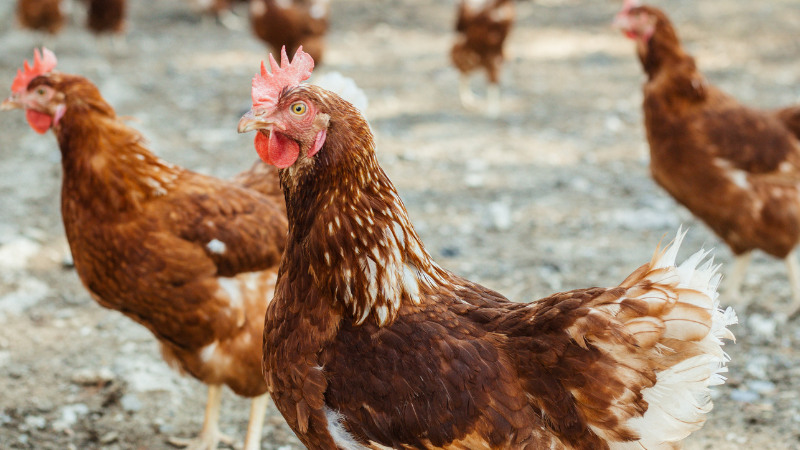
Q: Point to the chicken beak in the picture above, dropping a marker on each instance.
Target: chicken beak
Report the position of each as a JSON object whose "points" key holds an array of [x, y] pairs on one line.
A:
{"points": [[251, 121], [10, 103]]}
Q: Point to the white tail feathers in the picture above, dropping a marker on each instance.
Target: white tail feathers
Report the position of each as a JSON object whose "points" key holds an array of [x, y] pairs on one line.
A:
{"points": [[695, 326]]}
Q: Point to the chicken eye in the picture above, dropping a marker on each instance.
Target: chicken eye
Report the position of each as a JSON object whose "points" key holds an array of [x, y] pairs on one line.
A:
{"points": [[298, 108], [40, 91]]}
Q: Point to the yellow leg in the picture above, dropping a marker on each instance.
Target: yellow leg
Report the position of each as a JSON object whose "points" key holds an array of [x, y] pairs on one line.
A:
{"points": [[209, 436], [794, 278], [735, 281], [258, 409], [466, 94], [493, 101]]}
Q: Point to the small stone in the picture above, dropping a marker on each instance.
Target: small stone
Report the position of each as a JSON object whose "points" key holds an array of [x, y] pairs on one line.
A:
{"points": [[761, 386], [744, 396], [37, 422], [109, 437], [763, 327], [90, 377], [131, 403], [69, 416], [500, 215]]}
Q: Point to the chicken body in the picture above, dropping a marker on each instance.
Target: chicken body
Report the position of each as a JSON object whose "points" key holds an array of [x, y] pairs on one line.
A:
{"points": [[736, 168], [106, 16], [370, 344], [191, 257], [42, 15], [291, 23], [482, 28]]}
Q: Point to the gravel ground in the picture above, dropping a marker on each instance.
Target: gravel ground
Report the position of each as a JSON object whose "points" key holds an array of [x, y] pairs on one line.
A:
{"points": [[552, 196]]}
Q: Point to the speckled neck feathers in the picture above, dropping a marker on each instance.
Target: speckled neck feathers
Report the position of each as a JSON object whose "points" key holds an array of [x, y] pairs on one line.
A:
{"points": [[360, 247]]}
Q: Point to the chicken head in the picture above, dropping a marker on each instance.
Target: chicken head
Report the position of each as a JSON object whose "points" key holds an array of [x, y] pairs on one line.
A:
{"points": [[290, 123], [44, 106]]}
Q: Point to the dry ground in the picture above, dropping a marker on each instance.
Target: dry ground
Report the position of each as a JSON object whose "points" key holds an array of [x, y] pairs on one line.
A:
{"points": [[552, 196]]}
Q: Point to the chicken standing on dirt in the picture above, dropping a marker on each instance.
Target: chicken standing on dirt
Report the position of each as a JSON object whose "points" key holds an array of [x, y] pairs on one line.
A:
{"points": [[482, 28], [368, 343], [291, 23], [734, 167], [191, 257], [44, 15]]}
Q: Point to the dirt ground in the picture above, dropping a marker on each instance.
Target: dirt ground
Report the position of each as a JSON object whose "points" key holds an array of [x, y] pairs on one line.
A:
{"points": [[553, 195]]}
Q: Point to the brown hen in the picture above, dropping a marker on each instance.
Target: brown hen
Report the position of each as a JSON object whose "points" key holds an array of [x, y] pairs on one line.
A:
{"points": [[191, 257], [736, 168], [106, 16], [44, 15], [482, 28], [369, 344], [291, 23]]}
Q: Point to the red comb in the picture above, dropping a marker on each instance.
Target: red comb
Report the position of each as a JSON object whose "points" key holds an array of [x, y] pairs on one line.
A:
{"points": [[42, 63], [268, 86], [630, 4]]}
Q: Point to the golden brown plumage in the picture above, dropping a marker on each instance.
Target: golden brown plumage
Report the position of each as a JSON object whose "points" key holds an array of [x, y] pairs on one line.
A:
{"points": [[191, 257], [482, 28], [291, 23], [44, 15], [734, 167], [370, 344]]}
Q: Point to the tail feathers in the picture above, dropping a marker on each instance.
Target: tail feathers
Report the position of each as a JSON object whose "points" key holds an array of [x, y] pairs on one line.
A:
{"points": [[673, 314]]}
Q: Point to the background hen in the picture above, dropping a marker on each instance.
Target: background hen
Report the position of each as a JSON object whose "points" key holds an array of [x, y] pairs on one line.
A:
{"points": [[190, 257], [369, 343], [482, 27], [735, 167], [45, 15], [291, 23]]}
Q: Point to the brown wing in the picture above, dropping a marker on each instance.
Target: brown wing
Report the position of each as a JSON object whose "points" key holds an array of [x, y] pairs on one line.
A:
{"points": [[239, 229], [263, 178]]}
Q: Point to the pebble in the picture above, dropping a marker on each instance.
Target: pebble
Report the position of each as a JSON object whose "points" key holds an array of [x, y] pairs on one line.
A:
{"points": [[5, 357], [744, 396], [500, 215], [761, 386], [109, 437], [763, 327], [88, 377], [15, 254], [757, 366], [70, 415], [131, 403], [37, 422]]}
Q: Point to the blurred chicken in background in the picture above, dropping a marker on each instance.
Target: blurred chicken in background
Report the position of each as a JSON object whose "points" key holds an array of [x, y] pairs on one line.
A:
{"points": [[291, 23], [42, 15], [736, 168], [482, 28]]}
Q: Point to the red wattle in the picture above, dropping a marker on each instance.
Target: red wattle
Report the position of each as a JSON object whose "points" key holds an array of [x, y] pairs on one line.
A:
{"points": [[40, 122], [283, 152], [276, 150], [262, 147]]}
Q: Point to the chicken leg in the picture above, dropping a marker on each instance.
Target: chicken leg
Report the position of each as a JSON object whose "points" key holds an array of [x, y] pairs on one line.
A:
{"points": [[466, 94], [793, 268], [493, 101], [258, 408], [209, 436], [736, 277]]}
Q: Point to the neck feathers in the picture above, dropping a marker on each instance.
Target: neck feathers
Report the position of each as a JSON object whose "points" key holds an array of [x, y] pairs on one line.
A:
{"points": [[105, 161], [362, 251]]}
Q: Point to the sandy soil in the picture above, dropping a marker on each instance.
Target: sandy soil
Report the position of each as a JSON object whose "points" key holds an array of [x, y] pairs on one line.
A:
{"points": [[552, 196]]}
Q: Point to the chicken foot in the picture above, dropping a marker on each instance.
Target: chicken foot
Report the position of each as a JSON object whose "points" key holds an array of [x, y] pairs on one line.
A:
{"points": [[210, 435]]}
